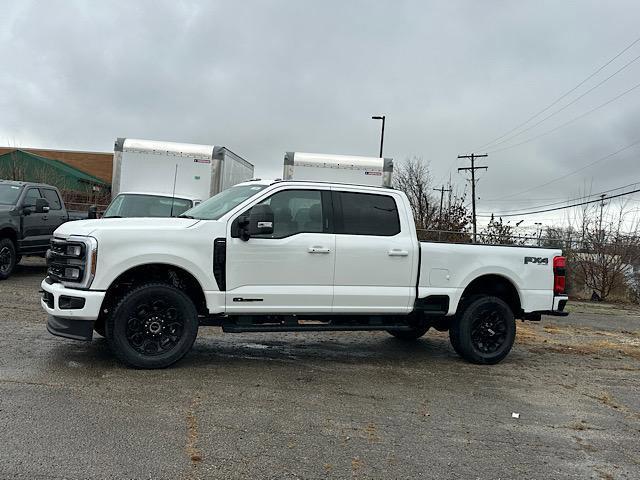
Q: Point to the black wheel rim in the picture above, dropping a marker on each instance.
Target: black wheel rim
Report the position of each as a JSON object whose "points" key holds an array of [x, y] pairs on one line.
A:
{"points": [[488, 331], [154, 327], [5, 259]]}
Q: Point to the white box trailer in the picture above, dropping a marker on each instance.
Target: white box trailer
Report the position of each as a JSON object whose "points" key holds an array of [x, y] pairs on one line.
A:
{"points": [[181, 170], [320, 167]]}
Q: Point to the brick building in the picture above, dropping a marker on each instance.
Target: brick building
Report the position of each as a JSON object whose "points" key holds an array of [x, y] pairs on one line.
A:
{"points": [[98, 164]]}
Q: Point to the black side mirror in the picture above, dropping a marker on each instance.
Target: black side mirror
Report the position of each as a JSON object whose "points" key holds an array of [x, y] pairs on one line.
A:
{"points": [[42, 206], [92, 213], [258, 222]]}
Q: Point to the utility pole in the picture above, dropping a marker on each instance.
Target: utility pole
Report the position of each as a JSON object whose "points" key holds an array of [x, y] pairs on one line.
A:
{"points": [[441, 190], [473, 169], [601, 246], [600, 232]]}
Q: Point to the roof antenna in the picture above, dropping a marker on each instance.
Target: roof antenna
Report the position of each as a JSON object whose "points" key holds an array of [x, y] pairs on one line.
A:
{"points": [[173, 194]]}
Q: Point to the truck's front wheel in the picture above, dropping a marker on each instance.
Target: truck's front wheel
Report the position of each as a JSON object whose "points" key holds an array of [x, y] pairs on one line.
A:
{"points": [[484, 331], [7, 258], [152, 326]]}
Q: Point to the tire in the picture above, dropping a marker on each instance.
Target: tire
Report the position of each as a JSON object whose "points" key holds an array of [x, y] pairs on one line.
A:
{"points": [[152, 326], [409, 335], [484, 330], [8, 258]]}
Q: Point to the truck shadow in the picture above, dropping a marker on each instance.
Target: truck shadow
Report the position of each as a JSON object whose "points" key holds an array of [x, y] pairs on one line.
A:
{"points": [[248, 350], [358, 349]]}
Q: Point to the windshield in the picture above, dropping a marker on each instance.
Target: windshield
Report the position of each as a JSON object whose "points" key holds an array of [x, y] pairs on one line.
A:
{"points": [[9, 194], [128, 205], [223, 202]]}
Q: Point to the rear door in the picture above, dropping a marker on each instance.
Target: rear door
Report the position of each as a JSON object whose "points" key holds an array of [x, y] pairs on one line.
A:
{"points": [[374, 253], [291, 270]]}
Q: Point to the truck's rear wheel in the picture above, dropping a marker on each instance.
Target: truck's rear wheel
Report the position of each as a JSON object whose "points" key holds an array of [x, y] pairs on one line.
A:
{"points": [[7, 258], [153, 326], [484, 331], [408, 335]]}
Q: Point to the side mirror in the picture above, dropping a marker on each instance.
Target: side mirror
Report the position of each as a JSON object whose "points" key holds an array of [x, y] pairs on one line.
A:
{"points": [[42, 206], [258, 222], [92, 213]]}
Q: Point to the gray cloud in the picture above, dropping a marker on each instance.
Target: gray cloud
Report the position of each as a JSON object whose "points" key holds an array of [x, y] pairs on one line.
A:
{"points": [[263, 77]]}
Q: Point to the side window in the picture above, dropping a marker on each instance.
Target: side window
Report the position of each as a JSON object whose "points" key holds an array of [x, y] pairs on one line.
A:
{"points": [[30, 197], [295, 211], [367, 214], [52, 197]]}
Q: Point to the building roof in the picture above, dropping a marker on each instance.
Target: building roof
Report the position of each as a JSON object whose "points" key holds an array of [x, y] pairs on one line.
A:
{"points": [[29, 167], [97, 164]]}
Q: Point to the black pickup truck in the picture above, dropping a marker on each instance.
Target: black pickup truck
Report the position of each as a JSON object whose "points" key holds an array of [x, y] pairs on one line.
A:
{"points": [[29, 214]]}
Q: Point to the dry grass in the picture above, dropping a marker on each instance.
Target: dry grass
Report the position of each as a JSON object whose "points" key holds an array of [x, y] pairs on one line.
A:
{"points": [[578, 341]]}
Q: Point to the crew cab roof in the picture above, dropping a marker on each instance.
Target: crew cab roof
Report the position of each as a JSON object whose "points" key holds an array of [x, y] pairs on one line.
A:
{"points": [[259, 181]]}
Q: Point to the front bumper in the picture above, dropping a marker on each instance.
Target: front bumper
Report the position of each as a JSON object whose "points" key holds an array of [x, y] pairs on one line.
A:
{"points": [[70, 328], [87, 303]]}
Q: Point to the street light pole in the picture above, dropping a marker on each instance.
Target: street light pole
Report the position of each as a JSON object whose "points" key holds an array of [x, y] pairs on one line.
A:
{"points": [[383, 118], [539, 228]]}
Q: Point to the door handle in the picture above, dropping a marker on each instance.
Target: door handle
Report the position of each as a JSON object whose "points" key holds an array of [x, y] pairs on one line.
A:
{"points": [[44, 217], [394, 252], [319, 250]]}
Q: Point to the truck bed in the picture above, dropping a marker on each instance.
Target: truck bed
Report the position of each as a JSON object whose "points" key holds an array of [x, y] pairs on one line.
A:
{"points": [[446, 268]]}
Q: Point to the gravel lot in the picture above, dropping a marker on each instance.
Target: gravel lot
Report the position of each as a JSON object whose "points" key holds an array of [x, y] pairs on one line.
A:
{"points": [[333, 405]]}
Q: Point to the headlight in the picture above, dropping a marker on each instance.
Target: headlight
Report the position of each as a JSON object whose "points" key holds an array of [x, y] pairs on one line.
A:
{"points": [[73, 261], [74, 250]]}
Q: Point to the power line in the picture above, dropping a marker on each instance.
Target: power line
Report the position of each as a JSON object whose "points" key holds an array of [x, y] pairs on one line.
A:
{"points": [[561, 97], [565, 207], [567, 123], [555, 179], [576, 199], [566, 105]]}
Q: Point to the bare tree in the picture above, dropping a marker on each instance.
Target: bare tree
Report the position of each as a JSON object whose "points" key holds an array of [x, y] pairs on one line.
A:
{"points": [[499, 232], [413, 178], [609, 247]]}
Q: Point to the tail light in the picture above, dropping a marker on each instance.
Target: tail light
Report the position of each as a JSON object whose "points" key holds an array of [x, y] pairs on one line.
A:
{"points": [[559, 275]]}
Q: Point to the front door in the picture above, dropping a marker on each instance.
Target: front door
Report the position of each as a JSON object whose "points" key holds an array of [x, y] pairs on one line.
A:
{"points": [[291, 270], [35, 230]]}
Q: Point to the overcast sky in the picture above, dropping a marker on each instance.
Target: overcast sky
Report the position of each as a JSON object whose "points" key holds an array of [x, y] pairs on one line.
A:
{"points": [[265, 77]]}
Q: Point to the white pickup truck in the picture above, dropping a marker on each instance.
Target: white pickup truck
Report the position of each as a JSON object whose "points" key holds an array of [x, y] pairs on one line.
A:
{"points": [[290, 256]]}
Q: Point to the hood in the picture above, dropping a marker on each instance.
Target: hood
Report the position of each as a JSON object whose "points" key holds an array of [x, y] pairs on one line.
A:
{"points": [[145, 225], [6, 208]]}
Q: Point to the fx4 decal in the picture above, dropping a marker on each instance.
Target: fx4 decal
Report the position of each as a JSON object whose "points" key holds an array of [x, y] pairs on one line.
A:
{"points": [[538, 260]]}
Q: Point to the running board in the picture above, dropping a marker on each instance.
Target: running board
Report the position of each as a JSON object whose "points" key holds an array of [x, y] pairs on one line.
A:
{"points": [[232, 328]]}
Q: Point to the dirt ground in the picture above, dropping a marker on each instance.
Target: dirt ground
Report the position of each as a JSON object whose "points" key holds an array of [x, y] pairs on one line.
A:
{"points": [[323, 405]]}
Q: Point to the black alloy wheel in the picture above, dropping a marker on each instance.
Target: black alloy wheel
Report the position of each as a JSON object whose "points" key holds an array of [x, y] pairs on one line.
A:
{"points": [[153, 326], [483, 330], [7, 258], [488, 330]]}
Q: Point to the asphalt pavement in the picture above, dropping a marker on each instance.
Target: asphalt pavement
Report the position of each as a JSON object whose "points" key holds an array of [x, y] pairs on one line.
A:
{"points": [[319, 405]]}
